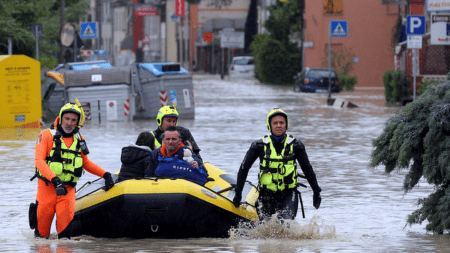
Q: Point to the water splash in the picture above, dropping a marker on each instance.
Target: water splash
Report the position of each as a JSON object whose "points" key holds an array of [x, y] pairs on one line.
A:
{"points": [[283, 229]]}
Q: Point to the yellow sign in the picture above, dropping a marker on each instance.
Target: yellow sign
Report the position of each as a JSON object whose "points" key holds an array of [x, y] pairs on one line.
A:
{"points": [[20, 91]]}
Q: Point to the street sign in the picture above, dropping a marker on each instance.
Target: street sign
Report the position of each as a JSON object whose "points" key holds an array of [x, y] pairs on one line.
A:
{"points": [[37, 30], [308, 44], [179, 7], [440, 29], [146, 39], [339, 28], [208, 37], [89, 30], [415, 24], [414, 41], [145, 10], [232, 39]]}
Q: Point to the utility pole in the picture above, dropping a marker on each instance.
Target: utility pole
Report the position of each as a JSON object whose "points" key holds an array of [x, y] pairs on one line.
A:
{"points": [[63, 22]]}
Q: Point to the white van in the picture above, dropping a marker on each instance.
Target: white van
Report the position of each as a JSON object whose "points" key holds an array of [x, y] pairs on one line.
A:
{"points": [[242, 67]]}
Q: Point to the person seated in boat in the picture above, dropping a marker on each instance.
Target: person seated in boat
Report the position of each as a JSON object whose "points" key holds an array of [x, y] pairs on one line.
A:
{"points": [[175, 160], [135, 158], [168, 116]]}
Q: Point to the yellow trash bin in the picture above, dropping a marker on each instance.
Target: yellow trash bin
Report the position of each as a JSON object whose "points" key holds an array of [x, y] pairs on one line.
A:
{"points": [[20, 98]]}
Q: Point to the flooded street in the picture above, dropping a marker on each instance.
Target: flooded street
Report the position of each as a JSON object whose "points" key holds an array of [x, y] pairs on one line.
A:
{"points": [[367, 208]]}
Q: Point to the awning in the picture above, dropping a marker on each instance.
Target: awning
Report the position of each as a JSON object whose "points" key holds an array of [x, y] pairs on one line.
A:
{"points": [[217, 24]]}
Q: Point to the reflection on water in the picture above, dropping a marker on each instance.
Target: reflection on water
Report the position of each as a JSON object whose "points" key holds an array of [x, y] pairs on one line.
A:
{"points": [[367, 210]]}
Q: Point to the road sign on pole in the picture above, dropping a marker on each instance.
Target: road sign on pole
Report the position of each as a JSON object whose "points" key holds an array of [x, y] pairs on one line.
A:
{"points": [[89, 30], [339, 28], [415, 24], [232, 39]]}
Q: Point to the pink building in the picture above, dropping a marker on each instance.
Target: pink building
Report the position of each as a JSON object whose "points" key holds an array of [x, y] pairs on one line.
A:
{"points": [[369, 36]]}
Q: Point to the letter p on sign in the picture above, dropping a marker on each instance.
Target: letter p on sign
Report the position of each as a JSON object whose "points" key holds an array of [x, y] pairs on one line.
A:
{"points": [[415, 24]]}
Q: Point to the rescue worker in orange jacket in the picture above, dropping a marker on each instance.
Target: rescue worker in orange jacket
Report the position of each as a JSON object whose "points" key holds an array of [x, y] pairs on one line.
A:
{"points": [[60, 156]]}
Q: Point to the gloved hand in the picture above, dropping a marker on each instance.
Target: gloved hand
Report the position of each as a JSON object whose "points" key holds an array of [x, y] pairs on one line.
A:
{"points": [[317, 200], [237, 200], [59, 186], [109, 183]]}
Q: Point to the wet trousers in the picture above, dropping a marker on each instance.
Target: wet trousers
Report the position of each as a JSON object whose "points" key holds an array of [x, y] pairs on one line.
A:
{"points": [[284, 204], [49, 204]]}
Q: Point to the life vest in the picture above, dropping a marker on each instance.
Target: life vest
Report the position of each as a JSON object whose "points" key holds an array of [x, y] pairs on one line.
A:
{"points": [[278, 171], [157, 144], [65, 162]]}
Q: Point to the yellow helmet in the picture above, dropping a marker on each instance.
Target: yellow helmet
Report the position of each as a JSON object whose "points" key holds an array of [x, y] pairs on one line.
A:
{"points": [[166, 111], [274, 112], [69, 107]]}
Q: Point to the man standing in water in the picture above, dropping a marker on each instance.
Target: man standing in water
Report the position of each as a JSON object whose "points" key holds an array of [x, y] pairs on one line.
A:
{"points": [[60, 156], [168, 116], [277, 178]]}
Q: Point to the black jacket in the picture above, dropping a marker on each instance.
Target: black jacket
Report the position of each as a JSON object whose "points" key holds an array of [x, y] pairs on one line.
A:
{"points": [[185, 136], [257, 150], [135, 160]]}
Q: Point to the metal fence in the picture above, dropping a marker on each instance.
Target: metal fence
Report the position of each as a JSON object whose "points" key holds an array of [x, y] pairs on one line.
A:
{"points": [[434, 59]]}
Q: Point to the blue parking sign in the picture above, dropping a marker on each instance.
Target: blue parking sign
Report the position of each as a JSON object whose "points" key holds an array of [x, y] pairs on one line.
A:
{"points": [[415, 24]]}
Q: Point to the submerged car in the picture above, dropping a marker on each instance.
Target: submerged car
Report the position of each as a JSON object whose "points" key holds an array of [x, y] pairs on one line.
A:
{"points": [[242, 67], [316, 79]]}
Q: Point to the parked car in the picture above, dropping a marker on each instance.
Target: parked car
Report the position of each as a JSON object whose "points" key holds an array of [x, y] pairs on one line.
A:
{"points": [[315, 79], [241, 67]]}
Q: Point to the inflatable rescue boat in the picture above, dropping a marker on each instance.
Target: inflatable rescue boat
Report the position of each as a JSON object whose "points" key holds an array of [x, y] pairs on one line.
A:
{"points": [[162, 207]]}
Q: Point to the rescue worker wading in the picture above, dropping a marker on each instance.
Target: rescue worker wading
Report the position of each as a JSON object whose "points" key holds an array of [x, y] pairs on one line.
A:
{"points": [[61, 155], [277, 178], [168, 116]]}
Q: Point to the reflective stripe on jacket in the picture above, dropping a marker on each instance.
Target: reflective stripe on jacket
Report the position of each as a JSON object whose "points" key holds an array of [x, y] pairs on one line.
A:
{"points": [[278, 171], [65, 162]]}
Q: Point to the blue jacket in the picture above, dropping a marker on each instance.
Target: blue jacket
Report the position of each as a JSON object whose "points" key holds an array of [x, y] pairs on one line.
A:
{"points": [[156, 154]]}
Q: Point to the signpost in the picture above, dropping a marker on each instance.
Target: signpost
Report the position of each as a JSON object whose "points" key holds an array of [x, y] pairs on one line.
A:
{"points": [[415, 28], [230, 39], [36, 29], [338, 28]]}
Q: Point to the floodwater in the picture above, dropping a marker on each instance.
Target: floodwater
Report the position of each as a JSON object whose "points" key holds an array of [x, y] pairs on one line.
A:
{"points": [[363, 210]]}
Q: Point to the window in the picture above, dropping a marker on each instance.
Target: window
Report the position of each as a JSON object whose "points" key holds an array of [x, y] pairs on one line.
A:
{"points": [[332, 6]]}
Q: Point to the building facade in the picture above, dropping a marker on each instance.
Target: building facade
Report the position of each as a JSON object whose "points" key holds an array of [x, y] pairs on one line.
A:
{"points": [[369, 36]]}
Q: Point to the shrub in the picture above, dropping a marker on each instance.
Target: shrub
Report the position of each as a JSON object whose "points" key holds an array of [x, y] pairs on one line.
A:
{"points": [[274, 61], [423, 86], [417, 140], [48, 62], [347, 82], [396, 86]]}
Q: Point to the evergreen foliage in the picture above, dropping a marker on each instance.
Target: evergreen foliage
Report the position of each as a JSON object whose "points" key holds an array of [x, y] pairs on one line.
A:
{"points": [[277, 59], [418, 139], [396, 86], [251, 24], [17, 16]]}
